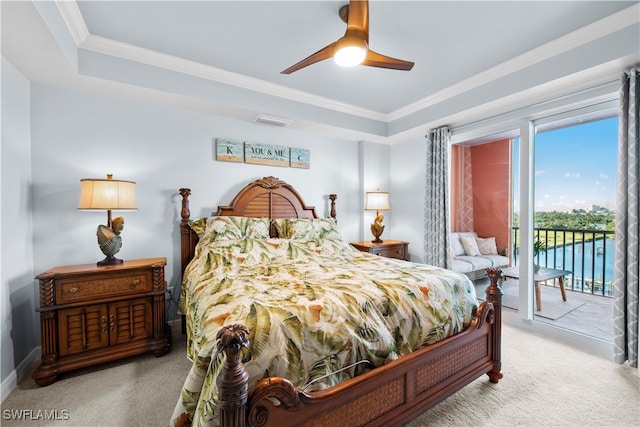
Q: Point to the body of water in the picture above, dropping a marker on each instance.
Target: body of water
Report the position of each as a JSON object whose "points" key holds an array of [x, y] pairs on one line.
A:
{"points": [[579, 258]]}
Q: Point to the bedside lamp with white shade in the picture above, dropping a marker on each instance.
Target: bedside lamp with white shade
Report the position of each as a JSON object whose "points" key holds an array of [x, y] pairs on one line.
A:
{"points": [[108, 195], [377, 201]]}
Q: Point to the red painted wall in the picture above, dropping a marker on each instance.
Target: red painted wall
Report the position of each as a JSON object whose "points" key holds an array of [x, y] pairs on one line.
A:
{"points": [[491, 178]]}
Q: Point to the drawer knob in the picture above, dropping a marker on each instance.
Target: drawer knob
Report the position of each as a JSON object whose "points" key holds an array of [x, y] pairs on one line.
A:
{"points": [[73, 290], [135, 283]]}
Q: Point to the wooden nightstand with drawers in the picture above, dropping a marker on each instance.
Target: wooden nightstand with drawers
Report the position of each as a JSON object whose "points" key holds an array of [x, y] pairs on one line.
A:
{"points": [[91, 314], [388, 248]]}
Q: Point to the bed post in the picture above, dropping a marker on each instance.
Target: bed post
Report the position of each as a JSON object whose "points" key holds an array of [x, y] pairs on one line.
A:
{"points": [[186, 244], [233, 380], [494, 296], [185, 230]]}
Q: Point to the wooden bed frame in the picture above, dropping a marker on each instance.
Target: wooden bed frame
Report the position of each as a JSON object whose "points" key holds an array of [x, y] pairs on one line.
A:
{"points": [[390, 395]]}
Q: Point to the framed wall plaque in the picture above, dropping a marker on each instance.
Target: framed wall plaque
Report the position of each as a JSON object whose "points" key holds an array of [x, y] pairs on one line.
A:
{"points": [[265, 154], [233, 150], [300, 158], [228, 150]]}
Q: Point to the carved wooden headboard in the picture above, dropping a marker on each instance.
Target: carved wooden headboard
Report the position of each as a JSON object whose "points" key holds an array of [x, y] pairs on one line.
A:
{"points": [[265, 197]]}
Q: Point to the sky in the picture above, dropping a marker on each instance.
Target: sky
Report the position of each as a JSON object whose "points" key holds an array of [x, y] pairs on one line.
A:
{"points": [[575, 167]]}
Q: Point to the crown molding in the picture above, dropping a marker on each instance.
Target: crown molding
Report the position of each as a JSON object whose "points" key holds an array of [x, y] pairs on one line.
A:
{"points": [[72, 17], [130, 52], [610, 24], [102, 45], [84, 40]]}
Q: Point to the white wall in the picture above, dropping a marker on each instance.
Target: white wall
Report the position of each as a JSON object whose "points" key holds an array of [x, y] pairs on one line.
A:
{"points": [[374, 175], [76, 135], [407, 169], [18, 301]]}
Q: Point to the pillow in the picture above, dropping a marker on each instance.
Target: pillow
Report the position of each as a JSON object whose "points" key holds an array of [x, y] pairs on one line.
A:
{"points": [[281, 226], [198, 226], [487, 246], [306, 228], [220, 228], [257, 228], [456, 246], [470, 245]]}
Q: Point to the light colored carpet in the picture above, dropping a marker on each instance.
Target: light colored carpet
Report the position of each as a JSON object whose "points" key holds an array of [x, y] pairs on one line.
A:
{"points": [[546, 383]]}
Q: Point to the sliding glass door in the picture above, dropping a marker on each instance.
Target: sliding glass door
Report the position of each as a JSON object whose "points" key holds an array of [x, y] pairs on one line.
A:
{"points": [[575, 179], [568, 194]]}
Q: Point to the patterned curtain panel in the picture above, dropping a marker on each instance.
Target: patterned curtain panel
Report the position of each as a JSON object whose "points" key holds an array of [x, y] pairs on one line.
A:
{"points": [[467, 192], [436, 201], [626, 269], [461, 189]]}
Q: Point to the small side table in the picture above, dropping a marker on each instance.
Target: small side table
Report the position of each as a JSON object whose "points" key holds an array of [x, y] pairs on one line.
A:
{"points": [[388, 248], [542, 275]]}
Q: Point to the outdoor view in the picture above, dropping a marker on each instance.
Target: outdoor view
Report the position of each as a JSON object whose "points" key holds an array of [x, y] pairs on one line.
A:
{"points": [[574, 216]]}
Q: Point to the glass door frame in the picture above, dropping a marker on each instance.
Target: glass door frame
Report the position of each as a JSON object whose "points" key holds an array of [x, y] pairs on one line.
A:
{"points": [[522, 124]]}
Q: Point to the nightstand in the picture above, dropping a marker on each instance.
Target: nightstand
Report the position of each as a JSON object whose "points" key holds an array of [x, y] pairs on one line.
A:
{"points": [[388, 248], [91, 314]]}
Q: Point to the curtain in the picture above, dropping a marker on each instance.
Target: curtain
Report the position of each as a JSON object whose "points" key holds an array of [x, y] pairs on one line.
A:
{"points": [[626, 268], [461, 209], [436, 200]]}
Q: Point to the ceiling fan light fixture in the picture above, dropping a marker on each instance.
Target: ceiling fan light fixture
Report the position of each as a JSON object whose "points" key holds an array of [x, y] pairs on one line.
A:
{"points": [[350, 52], [353, 48]]}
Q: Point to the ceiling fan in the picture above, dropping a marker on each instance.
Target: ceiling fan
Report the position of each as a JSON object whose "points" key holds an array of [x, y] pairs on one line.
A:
{"points": [[353, 48]]}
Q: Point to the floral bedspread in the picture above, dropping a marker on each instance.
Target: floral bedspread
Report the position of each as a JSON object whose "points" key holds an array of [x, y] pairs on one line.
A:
{"points": [[312, 307]]}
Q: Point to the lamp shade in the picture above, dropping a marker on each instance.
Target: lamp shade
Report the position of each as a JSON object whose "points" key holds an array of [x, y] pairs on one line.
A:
{"points": [[377, 201], [107, 194]]}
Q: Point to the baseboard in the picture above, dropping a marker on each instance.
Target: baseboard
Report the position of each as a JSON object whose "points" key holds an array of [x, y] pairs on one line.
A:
{"points": [[12, 380]]}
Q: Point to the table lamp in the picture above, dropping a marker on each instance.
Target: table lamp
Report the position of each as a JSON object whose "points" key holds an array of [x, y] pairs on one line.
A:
{"points": [[108, 194], [377, 201]]}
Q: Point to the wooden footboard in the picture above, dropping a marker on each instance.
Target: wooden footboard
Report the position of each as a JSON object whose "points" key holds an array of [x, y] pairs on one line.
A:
{"points": [[386, 396]]}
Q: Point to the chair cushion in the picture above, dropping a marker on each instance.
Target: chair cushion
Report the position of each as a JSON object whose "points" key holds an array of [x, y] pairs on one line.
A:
{"points": [[477, 262], [460, 266], [496, 260]]}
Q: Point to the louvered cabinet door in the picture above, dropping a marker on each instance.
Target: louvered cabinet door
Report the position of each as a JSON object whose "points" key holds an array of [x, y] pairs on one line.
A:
{"points": [[83, 329], [130, 320]]}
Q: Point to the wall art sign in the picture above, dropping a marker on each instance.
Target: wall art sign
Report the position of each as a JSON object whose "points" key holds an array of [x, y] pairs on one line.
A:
{"points": [[300, 158], [229, 150], [265, 154], [233, 150]]}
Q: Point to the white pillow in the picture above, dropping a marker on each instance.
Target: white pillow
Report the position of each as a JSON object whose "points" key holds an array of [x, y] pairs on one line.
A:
{"points": [[456, 246], [470, 245], [487, 246]]}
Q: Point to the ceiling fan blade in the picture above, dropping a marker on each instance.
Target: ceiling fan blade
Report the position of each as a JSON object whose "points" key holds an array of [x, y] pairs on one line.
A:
{"points": [[324, 53], [374, 59], [357, 13]]}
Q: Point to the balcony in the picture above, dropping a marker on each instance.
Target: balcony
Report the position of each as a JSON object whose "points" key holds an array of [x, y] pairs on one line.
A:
{"points": [[588, 255]]}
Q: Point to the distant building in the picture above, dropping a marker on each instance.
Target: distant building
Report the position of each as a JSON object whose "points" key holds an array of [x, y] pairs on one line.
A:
{"points": [[600, 210]]}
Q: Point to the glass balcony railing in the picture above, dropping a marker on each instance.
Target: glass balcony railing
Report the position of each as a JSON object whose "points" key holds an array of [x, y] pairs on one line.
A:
{"points": [[588, 254]]}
